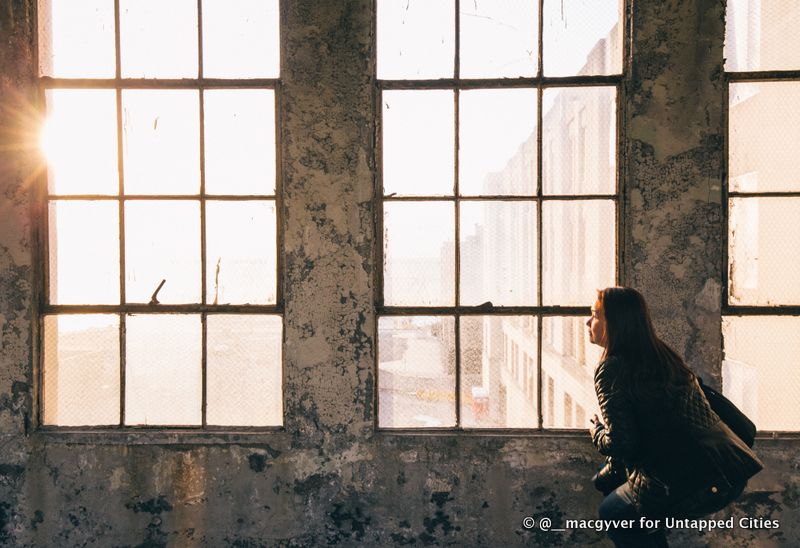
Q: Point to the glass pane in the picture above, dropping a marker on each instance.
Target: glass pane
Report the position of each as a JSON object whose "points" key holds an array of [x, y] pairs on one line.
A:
{"points": [[161, 137], [162, 242], [763, 253], [499, 38], [416, 372], [79, 140], [244, 370], [84, 252], [569, 359], [578, 250], [762, 35], [498, 372], [158, 39], [579, 137], [163, 374], [760, 373], [497, 147], [240, 39], [419, 254], [764, 132], [239, 141], [416, 39], [498, 253], [76, 39], [240, 252], [582, 38], [81, 370], [418, 143]]}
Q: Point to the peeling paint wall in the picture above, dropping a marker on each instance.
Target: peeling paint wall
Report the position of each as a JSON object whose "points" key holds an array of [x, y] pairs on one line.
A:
{"points": [[329, 478]]}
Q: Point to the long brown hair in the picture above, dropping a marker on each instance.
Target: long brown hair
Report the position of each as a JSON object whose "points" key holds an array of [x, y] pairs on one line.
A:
{"points": [[649, 362]]}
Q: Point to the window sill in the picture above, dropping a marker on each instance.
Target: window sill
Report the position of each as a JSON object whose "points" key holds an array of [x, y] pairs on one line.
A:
{"points": [[167, 436]]}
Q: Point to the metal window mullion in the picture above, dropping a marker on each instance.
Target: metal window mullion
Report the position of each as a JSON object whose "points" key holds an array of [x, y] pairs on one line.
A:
{"points": [[121, 212], [202, 200], [539, 224], [457, 211], [378, 243]]}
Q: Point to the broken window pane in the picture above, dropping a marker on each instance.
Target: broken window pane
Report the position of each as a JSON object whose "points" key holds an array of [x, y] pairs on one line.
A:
{"points": [[579, 138], [240, 252], [418, 142], [499, 38], [244, 370], [158, 39], [569, 360], [498, 253], [80, 141], [416, 372], [760, 373], [582, 38], [81, 370], [578, 250], [419, 254], [239, 141], [240, 39], [162, 241], [416, 39], [84, 252], [498, 372], [163, 373], [161, 139], [762, 35], [764, 122], [764, 258], [76, 39], [497, 146]]}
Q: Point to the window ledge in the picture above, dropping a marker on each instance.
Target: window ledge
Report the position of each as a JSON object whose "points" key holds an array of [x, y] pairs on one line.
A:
{"points": [[158, 437]]}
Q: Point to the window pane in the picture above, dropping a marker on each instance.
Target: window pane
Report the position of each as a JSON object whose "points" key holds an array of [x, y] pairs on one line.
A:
{"points": [[419, 260], [764, 132], [240, 39], [578, 250], [162, 241], [760, 373], [244, 370], [497, 147], [582, 38], [762, 35], [158, 39], [161, 137], [240, 258], [163, 374], [579, 140], [84, 252], [240, 141], [418, 143], [76, 39], [498, 372], [498, 253], [569, 359], [499, 38], [763, 252], [81, 370], [80, 141], [416, 372], [416, 39]]}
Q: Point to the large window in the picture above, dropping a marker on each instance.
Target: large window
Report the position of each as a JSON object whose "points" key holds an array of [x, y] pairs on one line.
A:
{"points": [[498, 155], [161, 304], [762, 308]]}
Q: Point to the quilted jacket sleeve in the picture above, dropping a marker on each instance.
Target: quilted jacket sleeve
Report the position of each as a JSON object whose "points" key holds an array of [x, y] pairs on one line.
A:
{"points": [[619, 435]]}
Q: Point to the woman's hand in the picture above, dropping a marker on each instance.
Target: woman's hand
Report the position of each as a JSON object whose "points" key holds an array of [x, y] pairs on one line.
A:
{"points": [[595, 420]]}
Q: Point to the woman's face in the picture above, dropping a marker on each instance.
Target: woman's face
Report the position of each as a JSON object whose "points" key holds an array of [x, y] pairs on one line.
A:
{"points": [[597, 326]]}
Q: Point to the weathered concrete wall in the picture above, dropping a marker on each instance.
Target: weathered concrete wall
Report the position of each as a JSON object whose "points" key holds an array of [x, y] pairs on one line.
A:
{"points": [[329, 478]]}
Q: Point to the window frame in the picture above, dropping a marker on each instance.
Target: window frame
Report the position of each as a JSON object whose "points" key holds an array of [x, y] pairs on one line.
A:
{"points": [[128, 433], [540, 82]]}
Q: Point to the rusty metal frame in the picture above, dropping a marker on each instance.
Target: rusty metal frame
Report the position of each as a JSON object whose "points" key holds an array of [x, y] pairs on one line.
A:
{"points": [[122, 310], [456, 84]]}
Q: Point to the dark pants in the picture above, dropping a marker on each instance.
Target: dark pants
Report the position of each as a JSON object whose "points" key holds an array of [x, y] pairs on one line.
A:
{"points": [[618, 505]]}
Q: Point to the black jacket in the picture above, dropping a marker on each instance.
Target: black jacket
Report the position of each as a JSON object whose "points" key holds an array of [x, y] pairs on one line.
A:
{"points": [[677, 452]]}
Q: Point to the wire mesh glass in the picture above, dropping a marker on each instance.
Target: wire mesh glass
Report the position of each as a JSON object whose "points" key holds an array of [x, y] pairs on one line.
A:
{"points": [[762, 35]]}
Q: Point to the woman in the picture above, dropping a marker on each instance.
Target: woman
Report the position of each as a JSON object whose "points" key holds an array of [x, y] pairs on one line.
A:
{"points": [[671, 452]]}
